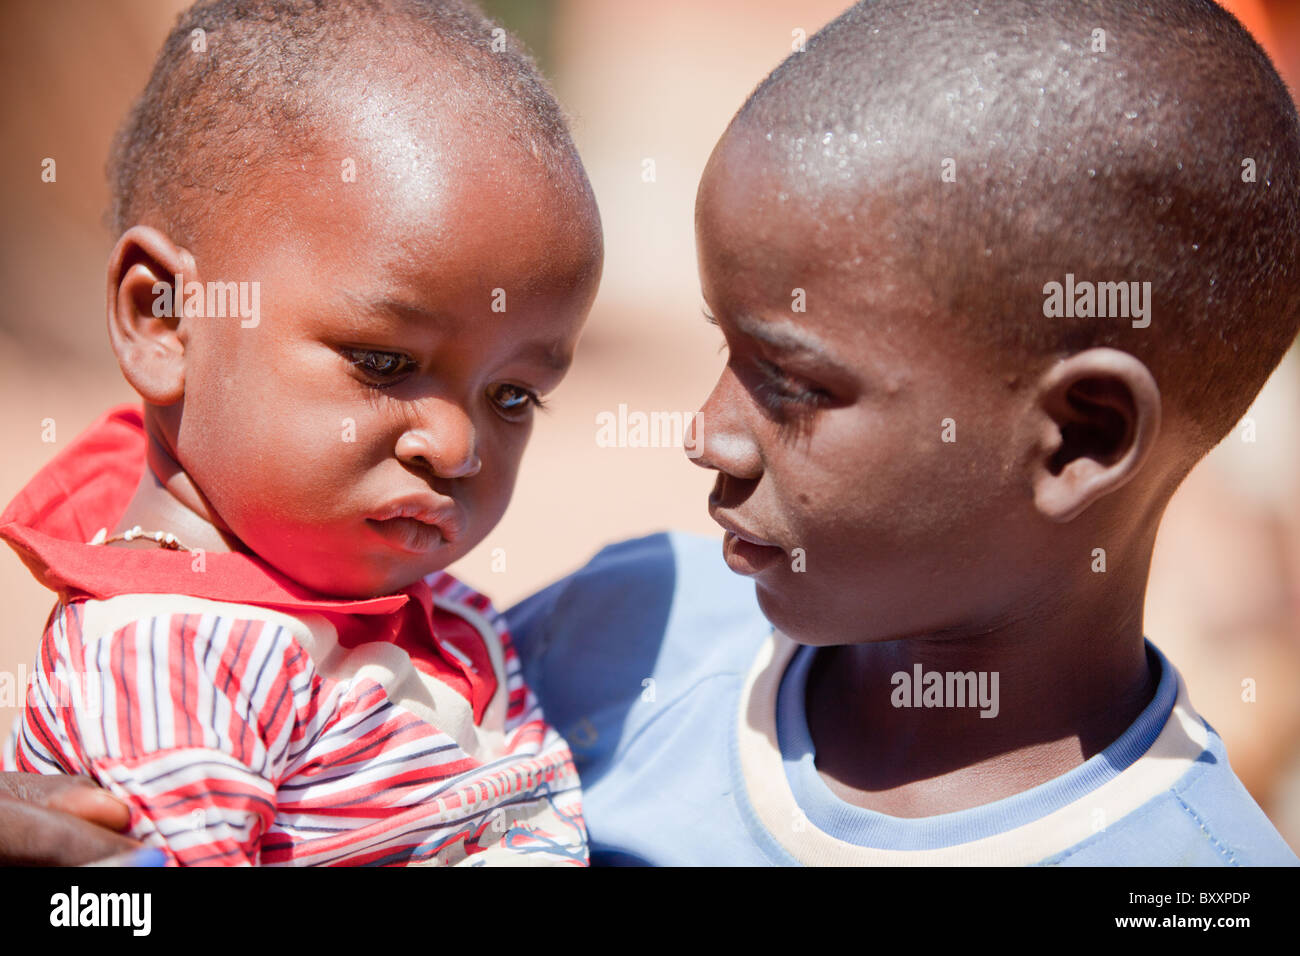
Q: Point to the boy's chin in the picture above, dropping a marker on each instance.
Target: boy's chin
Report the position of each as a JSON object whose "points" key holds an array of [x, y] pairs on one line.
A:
{"points": [[813, 619], [798, 618]]}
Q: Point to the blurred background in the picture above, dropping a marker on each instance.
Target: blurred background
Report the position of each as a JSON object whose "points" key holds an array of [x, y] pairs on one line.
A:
{"points": [[655, 80]]}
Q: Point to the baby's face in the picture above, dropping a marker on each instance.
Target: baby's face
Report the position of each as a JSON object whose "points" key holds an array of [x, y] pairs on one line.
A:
{"points": [[369, 429], [841, 496]]}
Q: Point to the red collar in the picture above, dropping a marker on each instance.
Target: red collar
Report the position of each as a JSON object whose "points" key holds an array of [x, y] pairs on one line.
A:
{"points": [[87, 486]]}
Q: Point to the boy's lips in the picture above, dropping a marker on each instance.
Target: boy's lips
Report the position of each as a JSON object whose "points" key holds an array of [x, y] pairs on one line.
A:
{"points": [[744, 551], [418, 523]]}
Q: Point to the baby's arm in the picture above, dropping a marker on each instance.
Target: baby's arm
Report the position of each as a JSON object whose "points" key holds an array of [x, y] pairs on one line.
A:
{"points": [[186, 717]]}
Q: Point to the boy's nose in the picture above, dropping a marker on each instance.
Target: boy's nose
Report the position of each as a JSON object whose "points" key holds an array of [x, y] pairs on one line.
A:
{"points": [[443, 443], [719, 438]]}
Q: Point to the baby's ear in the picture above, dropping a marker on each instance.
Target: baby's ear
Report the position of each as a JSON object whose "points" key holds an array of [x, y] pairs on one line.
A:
{"points": [[143, 312], [1100, 415]]}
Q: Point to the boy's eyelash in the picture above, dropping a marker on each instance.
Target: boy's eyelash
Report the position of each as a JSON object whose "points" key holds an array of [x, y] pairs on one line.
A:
{"points": [[712, 320], [776, 383]]}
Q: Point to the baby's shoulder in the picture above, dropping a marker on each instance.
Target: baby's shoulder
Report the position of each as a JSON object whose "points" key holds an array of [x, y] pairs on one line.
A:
{"points": [[162, 626], [453, 596]]}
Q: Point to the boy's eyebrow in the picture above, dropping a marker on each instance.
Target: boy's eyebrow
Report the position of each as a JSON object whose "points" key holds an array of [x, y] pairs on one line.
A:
{"points": [[785, 337]]}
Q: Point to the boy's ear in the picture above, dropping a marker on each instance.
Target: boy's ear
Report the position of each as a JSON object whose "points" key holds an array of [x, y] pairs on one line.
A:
{"points": [[144, 309], [1100, 414]]}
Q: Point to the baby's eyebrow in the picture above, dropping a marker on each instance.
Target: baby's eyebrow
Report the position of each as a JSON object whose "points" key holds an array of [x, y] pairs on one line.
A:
{"points": [[365, 311], [546, 355], [395, 308]]}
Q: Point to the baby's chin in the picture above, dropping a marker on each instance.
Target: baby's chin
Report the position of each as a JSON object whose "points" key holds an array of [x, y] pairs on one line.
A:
{"points": [[359, 560], [358, 576], [361, 584]]}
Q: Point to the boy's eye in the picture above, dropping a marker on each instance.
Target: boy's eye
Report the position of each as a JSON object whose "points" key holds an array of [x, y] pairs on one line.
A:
{"points": [[783, 391], [383, 367], [513, 400]]}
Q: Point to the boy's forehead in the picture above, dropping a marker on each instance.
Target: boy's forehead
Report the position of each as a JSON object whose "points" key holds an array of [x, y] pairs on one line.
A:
{"points": [[763, 220]]}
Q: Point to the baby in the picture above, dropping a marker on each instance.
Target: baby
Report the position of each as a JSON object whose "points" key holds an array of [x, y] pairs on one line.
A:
{"points": [[356, 248]]}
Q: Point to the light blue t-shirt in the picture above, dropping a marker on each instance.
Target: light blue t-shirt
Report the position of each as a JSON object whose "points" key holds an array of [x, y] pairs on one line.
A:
{"points": [[685, 712]]}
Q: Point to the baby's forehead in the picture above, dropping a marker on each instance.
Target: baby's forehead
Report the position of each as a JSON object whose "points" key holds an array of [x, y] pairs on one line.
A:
{"points": [[398, 201], [395, 156]]}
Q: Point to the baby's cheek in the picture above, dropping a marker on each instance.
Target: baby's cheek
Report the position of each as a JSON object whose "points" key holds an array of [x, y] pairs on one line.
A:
{"points": [[484, 505], [285, 474]]}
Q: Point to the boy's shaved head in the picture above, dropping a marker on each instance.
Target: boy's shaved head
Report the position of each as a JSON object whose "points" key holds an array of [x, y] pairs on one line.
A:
{"points": [[264, 79], [1171, 156]]}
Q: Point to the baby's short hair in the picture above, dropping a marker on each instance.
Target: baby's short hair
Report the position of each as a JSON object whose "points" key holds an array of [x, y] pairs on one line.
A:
{"points": [[1021, 140], [238, 83]]}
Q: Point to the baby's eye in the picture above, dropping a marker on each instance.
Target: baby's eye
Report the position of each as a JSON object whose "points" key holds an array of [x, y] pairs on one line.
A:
{"points": [[383, 367], [513, 400]]}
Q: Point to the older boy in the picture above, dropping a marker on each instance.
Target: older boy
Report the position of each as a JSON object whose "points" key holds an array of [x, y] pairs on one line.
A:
{"points": [[944, 480]]}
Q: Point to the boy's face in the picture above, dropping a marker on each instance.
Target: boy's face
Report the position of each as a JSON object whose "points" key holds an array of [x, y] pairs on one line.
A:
{"points": [[827, 427], [369, 429]]}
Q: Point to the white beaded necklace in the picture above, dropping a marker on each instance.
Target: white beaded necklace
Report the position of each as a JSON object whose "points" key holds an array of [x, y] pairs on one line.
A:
{"points": [[164, 539]]}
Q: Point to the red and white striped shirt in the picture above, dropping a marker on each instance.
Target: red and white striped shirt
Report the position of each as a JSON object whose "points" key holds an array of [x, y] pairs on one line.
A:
{"points": [[280, 728]]}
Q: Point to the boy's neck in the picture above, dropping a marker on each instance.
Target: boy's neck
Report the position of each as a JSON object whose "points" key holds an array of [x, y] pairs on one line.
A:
{"points": [[167, 499], [1068, 685]]}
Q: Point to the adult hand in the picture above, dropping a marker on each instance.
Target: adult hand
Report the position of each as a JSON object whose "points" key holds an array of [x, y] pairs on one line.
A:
{"points": [[59, 821]]}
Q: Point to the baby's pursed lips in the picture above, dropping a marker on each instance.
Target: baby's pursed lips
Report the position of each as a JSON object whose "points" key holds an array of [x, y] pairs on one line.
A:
{"points": [[431, 509]]}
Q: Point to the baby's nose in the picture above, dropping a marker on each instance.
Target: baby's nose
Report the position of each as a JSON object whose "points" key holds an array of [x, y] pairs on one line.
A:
{"points": [[444, 443]]}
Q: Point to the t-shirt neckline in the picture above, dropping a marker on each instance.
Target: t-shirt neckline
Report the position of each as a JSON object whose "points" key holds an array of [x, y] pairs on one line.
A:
{"points": [[868, 828]]}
